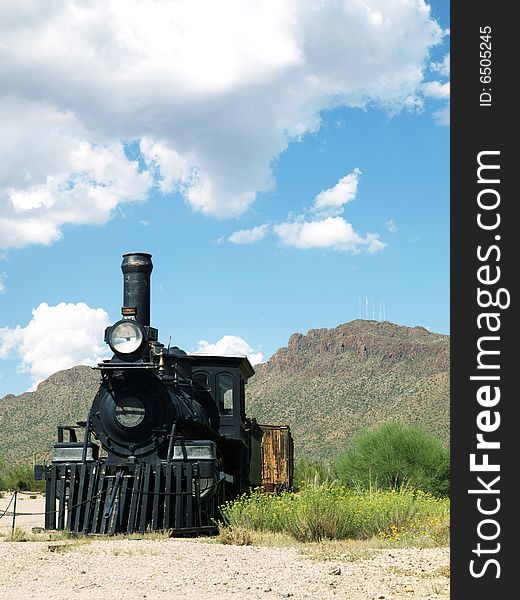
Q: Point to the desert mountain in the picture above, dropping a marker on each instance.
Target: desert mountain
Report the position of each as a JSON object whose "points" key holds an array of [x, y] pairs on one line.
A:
{"points": [[332, 382], [326, 384]]}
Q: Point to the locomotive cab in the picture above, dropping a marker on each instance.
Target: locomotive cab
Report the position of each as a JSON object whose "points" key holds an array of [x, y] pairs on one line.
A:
{"points": [[223, 378]]}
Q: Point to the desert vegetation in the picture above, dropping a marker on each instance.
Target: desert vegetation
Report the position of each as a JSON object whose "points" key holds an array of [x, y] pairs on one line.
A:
{"points": [[19, 477], [391, 485], [334, 512], [395, 456]]}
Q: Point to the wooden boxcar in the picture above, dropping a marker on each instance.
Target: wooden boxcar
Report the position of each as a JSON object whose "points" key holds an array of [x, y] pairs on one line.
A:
{"points": [[277, 457]]}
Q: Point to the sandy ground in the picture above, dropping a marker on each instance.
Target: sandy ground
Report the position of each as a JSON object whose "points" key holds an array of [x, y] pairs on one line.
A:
{"points": [[198, 569]]}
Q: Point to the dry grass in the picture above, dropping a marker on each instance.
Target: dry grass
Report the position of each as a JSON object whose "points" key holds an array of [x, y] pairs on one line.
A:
{"points": [[69, 546], [344, 550], [235, 535], [439, 588], [146, 535], [18, 535], [326, 550], [134, 550], [443, 571]]}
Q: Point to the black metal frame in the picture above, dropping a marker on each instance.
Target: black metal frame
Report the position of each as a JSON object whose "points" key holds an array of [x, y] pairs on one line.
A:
{"points": [[107, 499]]}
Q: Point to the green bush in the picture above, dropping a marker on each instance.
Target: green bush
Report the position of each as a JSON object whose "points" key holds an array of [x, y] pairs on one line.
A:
{"points": [[396, 456], [21, 478], [308, 472], [334, 512]]}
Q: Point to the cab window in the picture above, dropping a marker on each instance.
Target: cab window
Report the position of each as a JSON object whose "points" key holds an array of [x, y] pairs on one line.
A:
{"points": [[225, 393], [202, 378]]}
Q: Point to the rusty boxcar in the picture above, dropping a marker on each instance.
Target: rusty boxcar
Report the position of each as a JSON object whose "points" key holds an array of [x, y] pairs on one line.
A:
{"points": [[277, 457]]}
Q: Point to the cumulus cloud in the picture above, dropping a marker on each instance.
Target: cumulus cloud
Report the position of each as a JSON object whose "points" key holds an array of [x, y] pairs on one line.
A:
{"points": [[327, 229], [172, 171], [57, 337], [3, 278], [209, 100], [230, 345], [249, 236], [51, 178], [437, 90], [330, 202], [332, 232]]}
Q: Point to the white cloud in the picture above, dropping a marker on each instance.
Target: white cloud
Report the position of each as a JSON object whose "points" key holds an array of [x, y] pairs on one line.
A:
{"points": [[440, 90], [249, 236], [442, 116], [332, 232], [327, 230], [213, 92], [330, 202], [442, 67], [57, 337], [171, 170], [3, 278], [437, 90], [230, 345], [62, 180], [391, 226]]}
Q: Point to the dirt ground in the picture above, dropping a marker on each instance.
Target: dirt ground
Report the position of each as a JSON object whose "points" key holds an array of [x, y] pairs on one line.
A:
{"points": [[202, 569]]}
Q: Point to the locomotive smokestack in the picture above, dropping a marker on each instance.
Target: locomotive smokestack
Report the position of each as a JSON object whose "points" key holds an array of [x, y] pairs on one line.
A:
{"points": [[137, 267]]}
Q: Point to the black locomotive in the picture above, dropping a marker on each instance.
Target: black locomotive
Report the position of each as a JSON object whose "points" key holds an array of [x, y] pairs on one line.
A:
{"points": [[166, 441]]}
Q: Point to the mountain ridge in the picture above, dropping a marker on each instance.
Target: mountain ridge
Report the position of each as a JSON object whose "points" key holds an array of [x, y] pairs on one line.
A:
{"points": [[327, 384]]}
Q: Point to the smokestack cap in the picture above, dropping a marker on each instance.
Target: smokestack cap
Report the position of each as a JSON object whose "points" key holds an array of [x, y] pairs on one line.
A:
{"points": [[137, 262]]}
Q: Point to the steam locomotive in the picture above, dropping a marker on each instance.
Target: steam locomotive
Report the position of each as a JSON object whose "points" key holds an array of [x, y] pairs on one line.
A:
{"points": [[166, 441]]}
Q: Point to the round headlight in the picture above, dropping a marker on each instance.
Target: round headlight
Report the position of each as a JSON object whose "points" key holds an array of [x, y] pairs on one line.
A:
{"points": [[129, 412], [126, 337]]}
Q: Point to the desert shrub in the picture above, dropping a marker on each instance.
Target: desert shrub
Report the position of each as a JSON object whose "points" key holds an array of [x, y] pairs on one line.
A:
{"points": [[21, 478], [396, 456], [236, 536], [321, 512], [259, 511], [332, 512], [18, 535], [308, 472]]}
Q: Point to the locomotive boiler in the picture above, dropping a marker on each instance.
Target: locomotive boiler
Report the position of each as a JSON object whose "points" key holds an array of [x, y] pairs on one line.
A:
{"points": [[167, 439]]}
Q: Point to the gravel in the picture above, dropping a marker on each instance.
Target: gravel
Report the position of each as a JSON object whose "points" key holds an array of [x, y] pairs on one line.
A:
{"points": [[200, 569]]}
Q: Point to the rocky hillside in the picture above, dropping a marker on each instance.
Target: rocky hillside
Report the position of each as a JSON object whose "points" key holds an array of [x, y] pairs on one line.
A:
{"points": [[28, 422], [331, 382], [326, 385]]}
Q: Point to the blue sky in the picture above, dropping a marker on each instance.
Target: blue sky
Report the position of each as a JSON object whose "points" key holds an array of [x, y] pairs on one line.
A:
{"points": [[328, 151]]}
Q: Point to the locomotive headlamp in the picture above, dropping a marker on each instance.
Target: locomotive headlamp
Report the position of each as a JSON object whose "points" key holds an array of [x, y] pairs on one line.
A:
{"points": [[126, 337]]}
